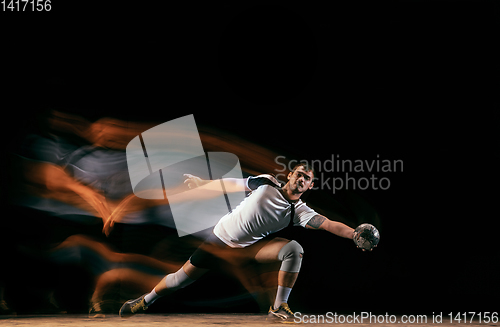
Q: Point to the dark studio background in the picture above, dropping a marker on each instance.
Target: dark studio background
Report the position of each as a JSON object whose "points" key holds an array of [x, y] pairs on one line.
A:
{"points": [[409, 80]]}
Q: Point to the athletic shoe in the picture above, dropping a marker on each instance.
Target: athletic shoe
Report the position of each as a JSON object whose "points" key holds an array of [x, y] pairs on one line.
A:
{"points": [[283, 312], [132, 307]]}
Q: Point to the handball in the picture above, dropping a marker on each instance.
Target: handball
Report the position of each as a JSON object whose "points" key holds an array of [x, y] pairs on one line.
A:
{"points": [[366, 237]]}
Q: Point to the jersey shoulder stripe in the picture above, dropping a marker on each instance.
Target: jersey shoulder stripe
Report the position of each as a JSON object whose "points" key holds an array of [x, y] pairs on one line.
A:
{"points": [[265, 179]]}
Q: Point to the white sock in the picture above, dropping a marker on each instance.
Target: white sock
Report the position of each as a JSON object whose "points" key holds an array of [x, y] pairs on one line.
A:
{"points": [[151, 297], [282, 296]]}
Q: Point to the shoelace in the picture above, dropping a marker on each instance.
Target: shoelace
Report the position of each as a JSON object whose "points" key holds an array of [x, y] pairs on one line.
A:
{"points": [[287, 308], [138, 306]]}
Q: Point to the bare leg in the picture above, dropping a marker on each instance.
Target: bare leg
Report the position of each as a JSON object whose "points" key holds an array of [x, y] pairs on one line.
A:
{"points": [[287, 279], [269, 253], [139, 281], [272, 252], [135, 281], [186, 275]]}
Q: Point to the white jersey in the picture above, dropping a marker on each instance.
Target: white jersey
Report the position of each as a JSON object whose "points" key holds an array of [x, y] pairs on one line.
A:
{"points": [[263, 212]]}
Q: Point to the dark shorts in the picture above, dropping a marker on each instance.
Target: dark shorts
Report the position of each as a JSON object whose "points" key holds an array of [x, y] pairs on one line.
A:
{"points": [[204, 256]]}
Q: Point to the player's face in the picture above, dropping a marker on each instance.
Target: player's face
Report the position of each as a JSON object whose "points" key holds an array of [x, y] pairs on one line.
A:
{"points": [[300, 180]]}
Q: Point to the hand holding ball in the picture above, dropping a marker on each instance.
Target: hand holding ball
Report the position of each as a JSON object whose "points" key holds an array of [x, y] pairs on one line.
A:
{"points": [[366, 237]]}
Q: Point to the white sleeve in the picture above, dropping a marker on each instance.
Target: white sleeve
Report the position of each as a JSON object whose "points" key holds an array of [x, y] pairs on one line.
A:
{"points": [[265, 179], [303, 214]]}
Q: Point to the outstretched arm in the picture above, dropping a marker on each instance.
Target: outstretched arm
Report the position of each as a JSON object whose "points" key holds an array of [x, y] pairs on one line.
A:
{"points": [[320, 222], [230, 184], [205, 189]]}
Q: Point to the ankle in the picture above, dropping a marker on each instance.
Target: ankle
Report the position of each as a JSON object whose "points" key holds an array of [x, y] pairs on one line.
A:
{"points": [[151, 297]]}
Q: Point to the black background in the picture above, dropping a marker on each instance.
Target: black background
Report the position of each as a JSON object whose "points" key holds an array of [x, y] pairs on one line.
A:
{"points": [[409, 80]]}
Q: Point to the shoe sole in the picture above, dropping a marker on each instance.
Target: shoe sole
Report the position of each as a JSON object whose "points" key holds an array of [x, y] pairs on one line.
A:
{"points": [[277, 315], [125, 315]]}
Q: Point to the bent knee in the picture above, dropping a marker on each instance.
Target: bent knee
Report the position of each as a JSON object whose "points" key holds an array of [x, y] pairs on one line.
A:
{"points": [[178, 280], [291, 249], [291, 256]]}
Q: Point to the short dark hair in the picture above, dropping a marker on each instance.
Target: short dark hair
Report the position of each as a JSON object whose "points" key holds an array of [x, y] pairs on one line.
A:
{"points": [[306, 166]]}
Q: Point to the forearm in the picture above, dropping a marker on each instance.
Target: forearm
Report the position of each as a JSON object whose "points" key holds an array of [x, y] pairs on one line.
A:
{"points": [[320, 222], [340, 229], [204, 189], [230, 185]]}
